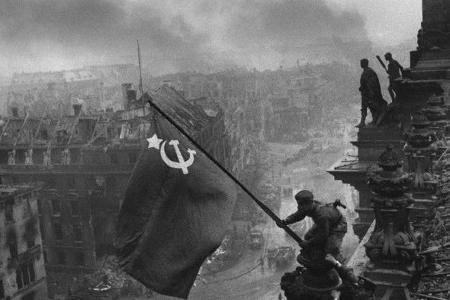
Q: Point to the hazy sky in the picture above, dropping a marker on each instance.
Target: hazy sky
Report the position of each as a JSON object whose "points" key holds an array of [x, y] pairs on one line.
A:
{"points": [[178, 35], [387, 21]]}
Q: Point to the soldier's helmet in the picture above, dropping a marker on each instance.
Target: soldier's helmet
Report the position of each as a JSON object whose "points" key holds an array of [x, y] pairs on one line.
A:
{"points": [[364, 63], [304, 197]]}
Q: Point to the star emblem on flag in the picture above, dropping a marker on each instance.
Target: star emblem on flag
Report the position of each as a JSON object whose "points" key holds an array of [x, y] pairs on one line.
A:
{"points": [[154, 142]]}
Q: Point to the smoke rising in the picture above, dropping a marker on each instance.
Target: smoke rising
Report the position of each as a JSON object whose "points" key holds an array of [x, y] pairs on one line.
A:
{"points": [[307, 30], [175, 35]]}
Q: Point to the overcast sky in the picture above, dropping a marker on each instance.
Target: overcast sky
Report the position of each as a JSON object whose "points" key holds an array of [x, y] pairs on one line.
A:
{"points": [[180, 35], [387, 21]]}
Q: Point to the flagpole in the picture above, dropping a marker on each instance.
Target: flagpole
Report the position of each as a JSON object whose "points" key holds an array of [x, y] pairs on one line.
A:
{"points": [[264, 207], [141, 90]]}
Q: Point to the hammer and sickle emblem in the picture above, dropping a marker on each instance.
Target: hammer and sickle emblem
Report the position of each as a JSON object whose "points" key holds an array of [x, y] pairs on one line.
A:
{"points": [[181, 164]]}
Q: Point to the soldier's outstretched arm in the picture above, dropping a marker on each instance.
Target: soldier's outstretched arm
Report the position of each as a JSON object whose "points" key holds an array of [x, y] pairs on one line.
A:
{"points": [[295, 217]]}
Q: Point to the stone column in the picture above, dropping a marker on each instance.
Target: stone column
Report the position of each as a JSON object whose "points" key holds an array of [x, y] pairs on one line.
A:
{"points": [[392, 246], [436, 15], [436, 112], [420, 150]]}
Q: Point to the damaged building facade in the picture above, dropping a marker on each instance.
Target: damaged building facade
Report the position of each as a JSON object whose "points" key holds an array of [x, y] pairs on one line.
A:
{"points": [[22, 270], [292, 99], [54, 93], [83, 162]]}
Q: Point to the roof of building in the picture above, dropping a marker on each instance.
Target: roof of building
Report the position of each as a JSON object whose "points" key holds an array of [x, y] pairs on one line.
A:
{"points": [[40, 131], [52, 77]]}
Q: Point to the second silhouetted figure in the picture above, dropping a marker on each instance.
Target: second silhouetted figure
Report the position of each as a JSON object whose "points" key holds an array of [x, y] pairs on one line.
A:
{"points": [[395, 71]]}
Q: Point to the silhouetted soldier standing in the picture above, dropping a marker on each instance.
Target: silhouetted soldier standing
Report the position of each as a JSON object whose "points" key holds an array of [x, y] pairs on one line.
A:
{"points": [[371, 96], [393, 69]]}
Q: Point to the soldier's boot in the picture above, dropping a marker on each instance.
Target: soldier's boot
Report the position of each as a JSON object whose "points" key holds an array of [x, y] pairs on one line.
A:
{"points": [[392, 93], [362, 123], [344, 272]]}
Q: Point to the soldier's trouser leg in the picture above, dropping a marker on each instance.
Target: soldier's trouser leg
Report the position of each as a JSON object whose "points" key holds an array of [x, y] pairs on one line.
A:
{"points": [[391, 91], [395, 87], [364, 107], [378, 111], [334, 243], [311, 232], [374, 113]]}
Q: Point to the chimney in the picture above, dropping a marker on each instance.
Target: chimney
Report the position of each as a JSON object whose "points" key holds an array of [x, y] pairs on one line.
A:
{"points": [[128, 95], [131, 95], [15, 111], [77, 109]]}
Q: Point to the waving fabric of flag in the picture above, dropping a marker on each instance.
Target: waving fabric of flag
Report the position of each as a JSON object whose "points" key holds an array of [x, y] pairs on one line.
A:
{"points": [[177, 208]]}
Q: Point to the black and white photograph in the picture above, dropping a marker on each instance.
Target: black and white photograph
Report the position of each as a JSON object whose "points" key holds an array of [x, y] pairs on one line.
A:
{"points": [[225, 150]]}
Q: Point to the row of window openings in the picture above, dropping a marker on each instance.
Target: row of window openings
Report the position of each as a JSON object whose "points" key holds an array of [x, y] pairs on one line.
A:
{"points": [[75, 157], [76, 230], [114, 158], [25, 275], [13, 248], [71, 182], [74, 207], [9, 212]]}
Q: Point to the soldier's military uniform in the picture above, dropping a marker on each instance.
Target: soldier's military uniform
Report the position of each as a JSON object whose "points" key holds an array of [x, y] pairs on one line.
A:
{"points": [[394, 69], [371, 96], [329, 226]]}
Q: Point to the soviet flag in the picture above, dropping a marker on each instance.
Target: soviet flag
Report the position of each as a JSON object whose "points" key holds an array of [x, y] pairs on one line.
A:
{"points": [[176, 210]]}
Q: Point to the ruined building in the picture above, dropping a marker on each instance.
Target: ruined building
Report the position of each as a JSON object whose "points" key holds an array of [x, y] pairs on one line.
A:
{"points": [[22, 271], [53, 93], [84, 162], [50, 92]]}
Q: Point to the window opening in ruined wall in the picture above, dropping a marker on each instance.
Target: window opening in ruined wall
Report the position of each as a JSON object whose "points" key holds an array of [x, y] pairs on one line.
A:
{"points": [[56, 207], [114, 158], [9, 211], [77, 233], [31, 231], [79, 258], [75, 207], [25, 274], [132, 157], [71, 182], [12, 242], [61, 256], [40, 206], [57, 227], [51, 183]]}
